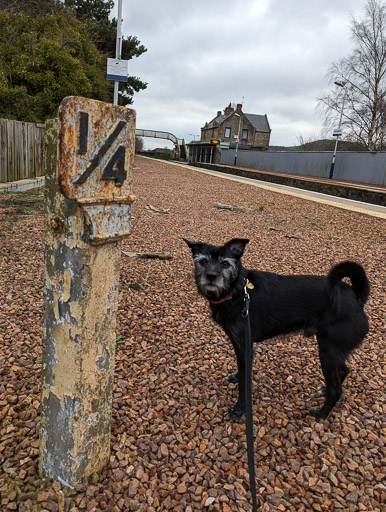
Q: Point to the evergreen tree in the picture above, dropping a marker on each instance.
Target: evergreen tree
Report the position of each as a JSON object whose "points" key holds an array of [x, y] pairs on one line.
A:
{"points": [[42, 60], [32, 7]]}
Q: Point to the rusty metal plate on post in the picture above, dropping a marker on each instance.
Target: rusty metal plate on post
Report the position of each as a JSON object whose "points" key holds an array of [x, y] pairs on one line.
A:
{"points": [[96, 152]]}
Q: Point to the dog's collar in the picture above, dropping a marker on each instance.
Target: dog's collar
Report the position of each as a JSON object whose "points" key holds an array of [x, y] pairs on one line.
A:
{"points": [[228, 297]]}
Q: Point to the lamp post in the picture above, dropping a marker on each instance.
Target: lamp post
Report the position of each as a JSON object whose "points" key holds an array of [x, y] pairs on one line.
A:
{"points": [[338, 131], [238, 138], [118, 47]]}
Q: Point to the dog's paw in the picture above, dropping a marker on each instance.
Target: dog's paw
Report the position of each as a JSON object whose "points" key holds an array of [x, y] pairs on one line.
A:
{"points": [[234, 413], [321, 390], [317, 414], [233, 379]]}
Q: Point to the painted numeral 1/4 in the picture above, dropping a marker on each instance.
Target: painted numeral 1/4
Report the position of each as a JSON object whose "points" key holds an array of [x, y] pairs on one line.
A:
{"points": [[83, 132], [115, 167]]}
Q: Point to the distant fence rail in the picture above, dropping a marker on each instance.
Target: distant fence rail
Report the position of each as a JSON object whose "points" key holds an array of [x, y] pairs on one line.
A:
{"points": [[351, 166], [21, 150], [22, 157]]}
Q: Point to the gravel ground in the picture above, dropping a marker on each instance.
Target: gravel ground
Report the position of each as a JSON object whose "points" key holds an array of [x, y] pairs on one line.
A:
{"points": [[171, 448]]}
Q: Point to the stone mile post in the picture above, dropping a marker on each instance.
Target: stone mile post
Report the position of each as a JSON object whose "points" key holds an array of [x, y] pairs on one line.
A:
{"points": [[88, 197]]}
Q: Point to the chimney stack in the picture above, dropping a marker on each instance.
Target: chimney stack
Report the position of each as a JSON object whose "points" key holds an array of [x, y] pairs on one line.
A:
{"points": [[228, 109], [238, 108]]}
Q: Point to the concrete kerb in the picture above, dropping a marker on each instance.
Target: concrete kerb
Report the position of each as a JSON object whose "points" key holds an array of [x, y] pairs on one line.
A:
{"points": [[366, 208], [318, 197], [22, 185], [349, 190]]}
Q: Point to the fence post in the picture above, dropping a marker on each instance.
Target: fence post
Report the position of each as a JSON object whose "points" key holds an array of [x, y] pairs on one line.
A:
{"points": [[88, 201]]}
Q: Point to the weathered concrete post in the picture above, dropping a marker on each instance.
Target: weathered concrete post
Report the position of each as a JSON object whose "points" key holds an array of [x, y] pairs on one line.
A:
{"points": [[89, 157]]}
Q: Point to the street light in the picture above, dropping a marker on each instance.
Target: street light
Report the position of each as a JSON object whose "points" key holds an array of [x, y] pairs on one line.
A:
{"points": [[338, 132], [238, 138], [118, 48]]}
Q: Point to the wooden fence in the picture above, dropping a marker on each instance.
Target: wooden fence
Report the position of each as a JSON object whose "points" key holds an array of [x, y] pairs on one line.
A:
{"points": [[21, 150]]}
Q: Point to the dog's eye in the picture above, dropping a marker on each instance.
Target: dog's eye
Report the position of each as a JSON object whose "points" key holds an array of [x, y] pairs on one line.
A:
{"points": [[203, 261], [225, 264]]}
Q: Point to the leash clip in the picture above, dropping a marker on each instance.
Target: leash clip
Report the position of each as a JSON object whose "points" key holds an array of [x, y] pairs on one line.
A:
{"points": [[245, 310]]}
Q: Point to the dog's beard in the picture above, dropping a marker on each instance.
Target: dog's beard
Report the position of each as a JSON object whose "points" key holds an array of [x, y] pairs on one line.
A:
{"points": [[210, 291]]}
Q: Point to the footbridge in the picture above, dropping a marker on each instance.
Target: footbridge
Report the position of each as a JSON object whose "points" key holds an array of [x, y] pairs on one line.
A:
{"points": [[179, 143]]}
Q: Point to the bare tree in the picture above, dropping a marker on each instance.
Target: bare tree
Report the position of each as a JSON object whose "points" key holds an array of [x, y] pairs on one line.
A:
{"points": [[303, 143], [364, 72]]}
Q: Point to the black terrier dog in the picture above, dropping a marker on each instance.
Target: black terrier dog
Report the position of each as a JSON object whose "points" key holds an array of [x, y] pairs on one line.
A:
{"points": [[279, 304]]}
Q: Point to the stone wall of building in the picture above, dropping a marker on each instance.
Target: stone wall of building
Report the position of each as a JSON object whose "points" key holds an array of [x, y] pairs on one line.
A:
{"points": [[261, 140], [208, 134]]}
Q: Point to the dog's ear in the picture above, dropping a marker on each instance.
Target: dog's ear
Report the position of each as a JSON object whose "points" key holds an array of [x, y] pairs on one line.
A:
{"points": [[237, 246], [195, 246]]}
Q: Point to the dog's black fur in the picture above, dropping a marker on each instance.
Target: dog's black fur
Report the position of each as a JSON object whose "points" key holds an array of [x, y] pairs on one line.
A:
{"points": [[321, 305]]}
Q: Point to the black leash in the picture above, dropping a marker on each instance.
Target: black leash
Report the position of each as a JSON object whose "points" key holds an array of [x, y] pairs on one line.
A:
{"points": [[248, 397]]}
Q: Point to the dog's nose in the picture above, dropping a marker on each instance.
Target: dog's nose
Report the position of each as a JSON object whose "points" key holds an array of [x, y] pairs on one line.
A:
{"points": [[211, 276]]}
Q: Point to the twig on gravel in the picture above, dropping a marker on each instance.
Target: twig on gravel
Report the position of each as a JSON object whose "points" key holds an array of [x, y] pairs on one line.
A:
{"points": [[231, 207], [149, 255], [156, 210], [272, 228], [298, 236]]}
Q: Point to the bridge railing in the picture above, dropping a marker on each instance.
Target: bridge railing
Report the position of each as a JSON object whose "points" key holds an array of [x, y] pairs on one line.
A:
{"points": [[157, 134]]}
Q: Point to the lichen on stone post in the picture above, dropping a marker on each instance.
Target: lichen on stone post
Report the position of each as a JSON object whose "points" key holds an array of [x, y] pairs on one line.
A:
{"points": [[80, 305]]}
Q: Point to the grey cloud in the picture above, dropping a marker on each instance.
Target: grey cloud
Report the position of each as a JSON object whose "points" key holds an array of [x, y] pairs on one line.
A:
{"points": [[202, 55]]}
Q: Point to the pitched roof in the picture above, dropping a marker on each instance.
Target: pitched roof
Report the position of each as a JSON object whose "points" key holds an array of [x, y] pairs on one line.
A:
{"points": [[218, 120], [259, 122]]}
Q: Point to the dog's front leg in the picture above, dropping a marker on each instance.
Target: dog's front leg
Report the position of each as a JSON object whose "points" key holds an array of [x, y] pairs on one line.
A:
{"points": [[233, 378], [237, 410]]}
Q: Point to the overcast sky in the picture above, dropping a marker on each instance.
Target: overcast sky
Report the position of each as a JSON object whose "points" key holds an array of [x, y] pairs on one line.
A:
{"points": [[204, 54]]}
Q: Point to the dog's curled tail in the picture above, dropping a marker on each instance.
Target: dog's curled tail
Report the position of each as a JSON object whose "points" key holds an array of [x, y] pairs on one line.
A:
{"points": [[357, 276]]}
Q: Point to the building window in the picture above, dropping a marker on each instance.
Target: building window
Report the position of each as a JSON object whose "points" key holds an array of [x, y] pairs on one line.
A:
{"points": [[245, 135], [227, 133]]}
